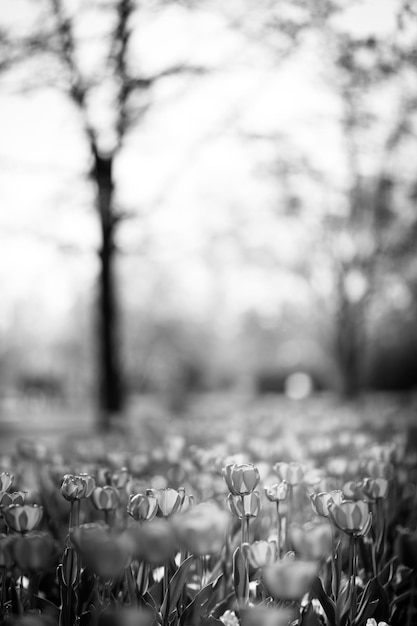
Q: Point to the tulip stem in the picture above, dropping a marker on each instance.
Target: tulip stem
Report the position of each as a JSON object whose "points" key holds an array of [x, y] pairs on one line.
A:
{"points": [[242, 522], [278, 531], [289, 516], [353, 558]]}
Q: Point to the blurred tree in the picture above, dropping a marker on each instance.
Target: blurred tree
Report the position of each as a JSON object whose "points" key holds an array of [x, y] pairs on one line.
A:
{"points": [[86, 50]]}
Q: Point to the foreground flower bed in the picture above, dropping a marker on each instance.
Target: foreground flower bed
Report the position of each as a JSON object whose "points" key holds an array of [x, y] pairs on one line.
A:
{"points": [[287, 529]]}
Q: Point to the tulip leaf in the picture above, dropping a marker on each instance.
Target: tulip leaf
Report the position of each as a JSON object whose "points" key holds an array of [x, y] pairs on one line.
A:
{"points": [[343, 604], [365, 613], [176, 585], [337, 570], [240, 576], [387, 573], [327, 603], [202, 602]]}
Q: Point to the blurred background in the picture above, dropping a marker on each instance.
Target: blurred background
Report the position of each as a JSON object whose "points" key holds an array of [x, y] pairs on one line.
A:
{"points": [[203, 199]]}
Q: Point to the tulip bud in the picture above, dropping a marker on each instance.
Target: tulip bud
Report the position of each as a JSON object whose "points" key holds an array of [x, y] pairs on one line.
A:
{"points": [[142, 507], [241, 479], [22, 517], [244, 506], [260, 553], [17, 497], [6, 480], [292, 473], [32, 553], [353, 518], [277, 492], [105, 498], [69, 567]]}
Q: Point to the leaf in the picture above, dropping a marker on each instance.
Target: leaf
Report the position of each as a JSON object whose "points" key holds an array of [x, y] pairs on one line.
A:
{"points": [[374, 591], [240, 576], [327, 603], [365, 613], [337, 570], [387, 573], [343, 605], [175, 587], [202, 601], [47, 606], [210, 621]]}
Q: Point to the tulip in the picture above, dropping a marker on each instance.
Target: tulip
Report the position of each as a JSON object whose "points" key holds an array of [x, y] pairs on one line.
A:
{"points": [[289, 580], [22, 517], [169, 500], [120, 478], [292, 473], [241, 478], [76, 487], [17, 497], [154, 543], [202, 529], [380, 469], [260, 553], [353, 518], [321, 501], [104, 553], [142, 507], [277, 492], [105, 498], [312, 541], [6, 480], [33, 553], [245, 507], [375, 488]]}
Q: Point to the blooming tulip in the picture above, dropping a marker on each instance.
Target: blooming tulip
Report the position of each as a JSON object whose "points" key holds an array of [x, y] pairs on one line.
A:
{"points": [[241, 479], [353, 518], [22, 517], [17, 497], [142, 507], [292, 473], [289, 580], [76, 487], [260, 553], [6, 480], [105, 498], [246, 506], [202, 529], [33, 552], [277, 492], [169, 500]]}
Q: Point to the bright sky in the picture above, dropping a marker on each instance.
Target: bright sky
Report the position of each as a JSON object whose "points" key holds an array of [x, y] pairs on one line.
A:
{"points": [[187, 171]]}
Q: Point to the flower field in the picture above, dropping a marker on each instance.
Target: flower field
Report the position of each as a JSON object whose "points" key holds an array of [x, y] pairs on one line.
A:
{"points": [[301, 514]]}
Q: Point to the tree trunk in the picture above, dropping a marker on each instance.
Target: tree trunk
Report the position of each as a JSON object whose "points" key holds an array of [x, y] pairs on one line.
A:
{"points": [[349, 342], [109, 370]]}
